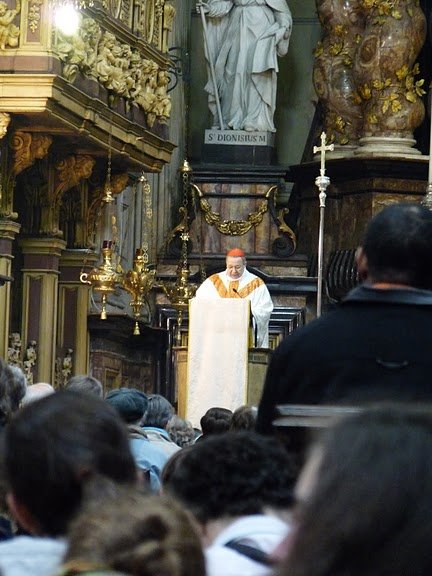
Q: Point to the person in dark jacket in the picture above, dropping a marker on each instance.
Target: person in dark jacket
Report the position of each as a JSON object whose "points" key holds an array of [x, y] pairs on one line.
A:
{"points": [[377, 344]]}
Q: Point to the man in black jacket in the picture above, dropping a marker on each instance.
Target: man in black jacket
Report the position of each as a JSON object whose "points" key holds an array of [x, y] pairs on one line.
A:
{"points": [[377, 344]]}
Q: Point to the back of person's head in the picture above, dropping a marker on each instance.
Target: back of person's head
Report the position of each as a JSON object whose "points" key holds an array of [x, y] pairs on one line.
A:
{"points": [[136, 534], [365, 497], [55, 446], [398, 246], [159, 411], [180, 431], [6, 378], [130, 403], [36, 392], [244, 418], [230, 475], [216, 421], [85, 383], [17, 388]]}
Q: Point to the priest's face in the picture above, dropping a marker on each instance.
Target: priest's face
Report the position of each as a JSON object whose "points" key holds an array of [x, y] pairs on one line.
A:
{"points": [[235, 267]]}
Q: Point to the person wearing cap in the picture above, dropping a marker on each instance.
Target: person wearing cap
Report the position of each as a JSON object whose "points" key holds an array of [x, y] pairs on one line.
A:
{"points": [[132, 404], [237, 282]]}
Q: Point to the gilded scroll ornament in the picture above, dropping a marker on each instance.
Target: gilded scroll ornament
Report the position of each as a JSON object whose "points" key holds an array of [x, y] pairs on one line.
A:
{"points": [[27, 148], [231, 227], [9, 32], [71, 170]]}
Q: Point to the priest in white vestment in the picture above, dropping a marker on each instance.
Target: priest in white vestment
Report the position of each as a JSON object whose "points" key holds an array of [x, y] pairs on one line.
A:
{"points": [[237, 282]]}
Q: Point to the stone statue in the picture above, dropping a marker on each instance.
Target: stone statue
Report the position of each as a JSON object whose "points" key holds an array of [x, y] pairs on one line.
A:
{"points": [[244, 38]]}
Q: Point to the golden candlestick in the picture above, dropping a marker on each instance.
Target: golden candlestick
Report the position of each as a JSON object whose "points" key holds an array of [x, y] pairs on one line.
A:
{"points": [[138, 281], [103, 278]]}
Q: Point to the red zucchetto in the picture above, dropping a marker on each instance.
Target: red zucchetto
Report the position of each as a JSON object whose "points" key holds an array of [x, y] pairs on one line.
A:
{"points": [[236, 253]]}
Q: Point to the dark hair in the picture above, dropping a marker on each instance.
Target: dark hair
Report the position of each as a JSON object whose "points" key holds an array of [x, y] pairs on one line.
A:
{"points": [[398, 245], [53, 446], [136, 534], [6, 383], [17, 387], [172, 463], [368, 510], [216, 421], [244, 418], [234, 474], [159, 411], [85, 383]]}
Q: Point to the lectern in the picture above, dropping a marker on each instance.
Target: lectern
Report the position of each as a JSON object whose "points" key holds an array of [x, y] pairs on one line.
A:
{"points": [[217, 355]]}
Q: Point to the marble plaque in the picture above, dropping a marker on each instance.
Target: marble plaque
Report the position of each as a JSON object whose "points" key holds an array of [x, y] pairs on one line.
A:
{"points": [[238, 138]]}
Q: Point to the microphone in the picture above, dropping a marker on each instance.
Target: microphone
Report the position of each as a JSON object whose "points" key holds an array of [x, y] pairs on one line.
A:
{"points": [[236, 292]]}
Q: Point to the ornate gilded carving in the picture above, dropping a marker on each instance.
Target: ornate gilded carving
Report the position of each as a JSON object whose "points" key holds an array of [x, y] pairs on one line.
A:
{"points": [[333, 75], [168, 19], [9, 32], [231, 227], [14, 350], [26, 148], [68, 173], [4, 123], [29, 361], [385, 67], [71, 170], [34, 15], [63, 369], [123, 71]]}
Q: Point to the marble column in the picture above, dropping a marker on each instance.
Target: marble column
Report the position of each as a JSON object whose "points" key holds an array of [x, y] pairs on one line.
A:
{"points": [[333, 76], [389, 78], [8, 230], [40, 301]]}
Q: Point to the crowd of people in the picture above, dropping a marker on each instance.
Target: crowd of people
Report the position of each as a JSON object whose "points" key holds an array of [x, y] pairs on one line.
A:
{"points": [[98, 482]]}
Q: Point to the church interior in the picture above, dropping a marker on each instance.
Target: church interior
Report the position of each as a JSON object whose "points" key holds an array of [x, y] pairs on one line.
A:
{"points": [[115, 204]]}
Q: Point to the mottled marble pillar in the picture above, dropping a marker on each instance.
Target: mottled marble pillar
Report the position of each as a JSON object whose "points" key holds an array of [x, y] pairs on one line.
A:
{"points": [[388, 78], [40, 301], [73, 307], [8, 230], [333, 76]]}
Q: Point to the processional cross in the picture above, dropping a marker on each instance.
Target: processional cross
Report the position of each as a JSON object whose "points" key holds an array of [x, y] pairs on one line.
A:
{"points": [[322, 181]]}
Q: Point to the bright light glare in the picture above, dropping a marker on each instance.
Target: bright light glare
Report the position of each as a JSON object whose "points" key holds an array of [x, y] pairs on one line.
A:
{"points": [[67, 19]]}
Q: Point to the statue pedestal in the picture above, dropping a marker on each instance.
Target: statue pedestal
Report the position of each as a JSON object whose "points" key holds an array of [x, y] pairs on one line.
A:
{"points": [[239, 147]]}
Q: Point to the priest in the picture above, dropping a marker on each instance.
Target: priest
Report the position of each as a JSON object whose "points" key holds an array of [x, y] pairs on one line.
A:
{"points": [[237, 282]]}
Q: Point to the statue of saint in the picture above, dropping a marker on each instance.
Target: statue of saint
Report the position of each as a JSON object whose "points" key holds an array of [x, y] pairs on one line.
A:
{"points": [[243, 40]]}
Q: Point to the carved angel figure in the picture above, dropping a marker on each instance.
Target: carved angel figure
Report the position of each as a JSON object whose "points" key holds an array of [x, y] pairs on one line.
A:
{"points": [[9, 33]]}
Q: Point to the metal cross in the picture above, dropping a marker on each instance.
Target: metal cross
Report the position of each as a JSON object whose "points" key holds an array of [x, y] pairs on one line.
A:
{"points": [[323, 148]]}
